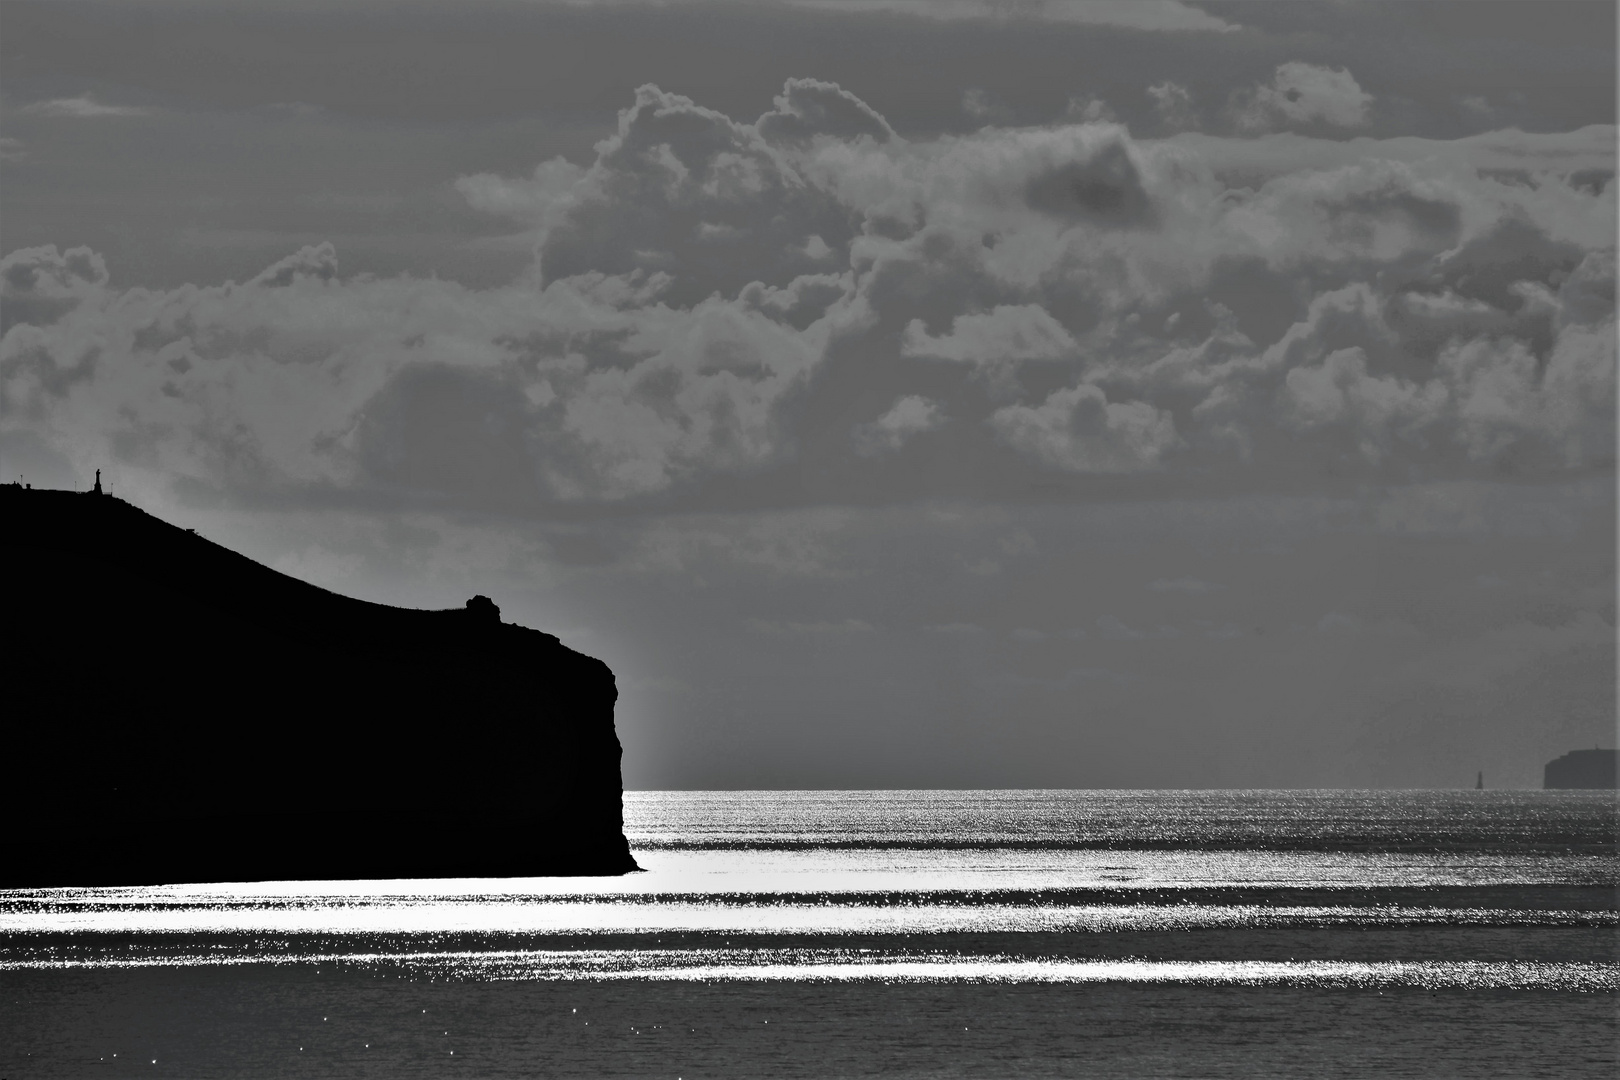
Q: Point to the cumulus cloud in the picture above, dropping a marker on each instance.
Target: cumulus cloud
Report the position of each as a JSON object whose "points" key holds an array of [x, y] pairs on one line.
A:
{"points": [[317, 261], [722, 302], [1079, 430], [1339, 391], [538, 199], [911, 415], [1535, 156], [1174, 104], [808, 108], [296, 378], [39, 285], [686, 191], [1302, 94], [1006, 332], [1089, 110], [46, 272]]}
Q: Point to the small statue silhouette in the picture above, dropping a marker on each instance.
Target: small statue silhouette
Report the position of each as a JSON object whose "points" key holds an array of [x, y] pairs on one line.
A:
{"points": [[98, 482]]}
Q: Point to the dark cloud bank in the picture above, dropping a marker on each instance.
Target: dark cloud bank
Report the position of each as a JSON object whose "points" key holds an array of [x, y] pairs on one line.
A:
{"points": [[1020, 455]]}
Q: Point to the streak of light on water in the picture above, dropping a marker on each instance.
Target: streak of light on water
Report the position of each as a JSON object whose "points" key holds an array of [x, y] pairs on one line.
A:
{"points": [[844, 965], [816, 919]]}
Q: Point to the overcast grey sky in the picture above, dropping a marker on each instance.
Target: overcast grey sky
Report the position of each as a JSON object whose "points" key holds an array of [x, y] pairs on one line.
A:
{"points": [[895, 394]]}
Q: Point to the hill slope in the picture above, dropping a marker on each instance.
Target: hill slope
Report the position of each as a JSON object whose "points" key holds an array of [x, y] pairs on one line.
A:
{"points": [[174, 711]]}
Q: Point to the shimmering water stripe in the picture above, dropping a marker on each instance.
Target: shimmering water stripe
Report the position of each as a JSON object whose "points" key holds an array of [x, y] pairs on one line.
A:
{"points": [[1477, 975], [1199, 820], [423, 917], [847, 965], [891, 871]]}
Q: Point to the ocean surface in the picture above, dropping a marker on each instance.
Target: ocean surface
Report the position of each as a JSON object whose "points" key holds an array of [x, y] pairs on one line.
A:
{"points": [[881, 933]]}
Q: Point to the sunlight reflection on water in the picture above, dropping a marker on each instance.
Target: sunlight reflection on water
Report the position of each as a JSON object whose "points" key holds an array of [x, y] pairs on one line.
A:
{"points": [[429, 917], [908, 870], [825, 892], [1372, 820], [814, 878], [850, 965]]}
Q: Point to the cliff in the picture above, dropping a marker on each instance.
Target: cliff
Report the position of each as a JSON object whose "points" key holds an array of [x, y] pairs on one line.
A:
{"points": [[174, 711]]}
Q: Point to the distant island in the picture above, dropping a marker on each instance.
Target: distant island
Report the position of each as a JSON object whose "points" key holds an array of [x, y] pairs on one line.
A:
{"points": [[1581, 769], [175, 712]]}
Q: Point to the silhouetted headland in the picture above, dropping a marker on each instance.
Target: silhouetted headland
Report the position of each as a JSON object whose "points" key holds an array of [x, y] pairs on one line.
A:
{"points": [[175, 712], [1581, 769]]}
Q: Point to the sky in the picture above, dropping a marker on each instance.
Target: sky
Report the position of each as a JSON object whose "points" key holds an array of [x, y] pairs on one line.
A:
{"points": [[961, 394]]}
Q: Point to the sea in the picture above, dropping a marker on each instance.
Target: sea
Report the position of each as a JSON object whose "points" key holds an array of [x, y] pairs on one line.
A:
{"points": [[881, 933]]}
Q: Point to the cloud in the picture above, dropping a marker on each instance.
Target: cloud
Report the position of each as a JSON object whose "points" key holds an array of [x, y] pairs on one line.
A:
{"points": [[1503, 396], [1339, 392], [1302, 94], [1531, 154], [1174, 104], [83, 107], [725, 309], [1006, 332], [1089, 110], [1078, 430], [1103, 188], [317, 262], [911, 415], [298, 378], [13, 150], [539, 199], [686, 191], [41, 284], [46, 272], [809, 108]]}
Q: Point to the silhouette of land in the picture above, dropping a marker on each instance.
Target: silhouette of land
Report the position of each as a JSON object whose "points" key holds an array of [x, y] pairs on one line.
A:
{"points": [[1581, 769], [176, 712]]}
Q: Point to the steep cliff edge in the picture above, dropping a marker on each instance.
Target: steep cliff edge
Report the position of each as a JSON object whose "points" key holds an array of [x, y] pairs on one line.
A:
{"points": [[173, 711]]}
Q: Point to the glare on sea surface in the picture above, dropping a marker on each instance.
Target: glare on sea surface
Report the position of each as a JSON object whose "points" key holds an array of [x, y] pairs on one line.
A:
{"points": [[808, 891], [826, 867]]}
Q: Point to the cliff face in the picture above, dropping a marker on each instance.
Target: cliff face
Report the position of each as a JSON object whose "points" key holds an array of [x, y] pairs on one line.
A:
{"points": [[176, 712]]}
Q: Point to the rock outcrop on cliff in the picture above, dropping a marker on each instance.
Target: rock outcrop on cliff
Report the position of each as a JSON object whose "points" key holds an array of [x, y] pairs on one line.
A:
{"points": [[174, 711]]}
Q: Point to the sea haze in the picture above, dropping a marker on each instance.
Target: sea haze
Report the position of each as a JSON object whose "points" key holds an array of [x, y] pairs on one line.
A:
{"points": [[990, 932]]}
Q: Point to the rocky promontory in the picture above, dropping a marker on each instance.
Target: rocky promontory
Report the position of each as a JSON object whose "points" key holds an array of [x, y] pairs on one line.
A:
{"points": [[175, 712]]}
